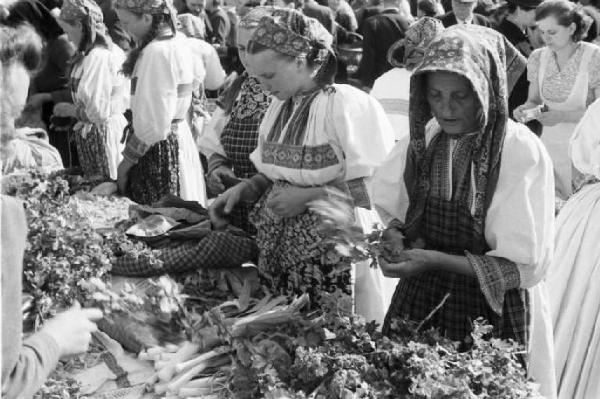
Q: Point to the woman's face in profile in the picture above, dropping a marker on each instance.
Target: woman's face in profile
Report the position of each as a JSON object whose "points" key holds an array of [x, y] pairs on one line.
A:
{"points": [[453, 102]]}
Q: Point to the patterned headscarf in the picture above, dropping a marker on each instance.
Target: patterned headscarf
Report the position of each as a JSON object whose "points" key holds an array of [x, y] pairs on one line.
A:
{"points": [[252, 19], [292, 33], [416, 39], [191, 25], [81, 10], [153, 7], [492, 66]]}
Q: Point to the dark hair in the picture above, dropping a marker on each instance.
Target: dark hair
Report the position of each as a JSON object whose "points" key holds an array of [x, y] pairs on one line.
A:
{"points": [[158, 20], [326, 74], [566, 13], [511, 7], [21, 44], [428, 7]]}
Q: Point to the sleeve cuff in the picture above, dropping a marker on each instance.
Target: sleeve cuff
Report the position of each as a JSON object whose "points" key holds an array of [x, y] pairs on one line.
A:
{"points": [[135, 149], [45, 347], [496, 276], [357, 190]]}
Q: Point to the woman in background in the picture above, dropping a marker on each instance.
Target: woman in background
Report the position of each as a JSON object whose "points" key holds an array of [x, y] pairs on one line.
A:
{"points": [[160, 156], [100, 93]]}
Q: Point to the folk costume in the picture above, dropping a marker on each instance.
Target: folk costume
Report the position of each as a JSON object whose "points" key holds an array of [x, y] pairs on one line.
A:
{"points": [[159, 141], [333, 136], [486, 194], [100, 94]]}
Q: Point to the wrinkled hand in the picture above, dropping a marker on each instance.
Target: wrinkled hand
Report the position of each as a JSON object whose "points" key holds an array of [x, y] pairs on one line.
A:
{"points": [[551, 118], [417, 261], [290, 201], [63, 110], [72, 330], [222, 206], [214, 180], [392, 243]]}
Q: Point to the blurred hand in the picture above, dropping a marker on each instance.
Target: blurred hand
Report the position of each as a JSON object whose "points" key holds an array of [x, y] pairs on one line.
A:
{"points": [[215, 181], [392, 243], [519, 112], [35, 101], [291, 201], [72, 330], [63, 110]]}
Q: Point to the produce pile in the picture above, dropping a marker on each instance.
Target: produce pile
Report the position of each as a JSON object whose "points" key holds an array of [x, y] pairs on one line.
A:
{"points": [[251, 345]]}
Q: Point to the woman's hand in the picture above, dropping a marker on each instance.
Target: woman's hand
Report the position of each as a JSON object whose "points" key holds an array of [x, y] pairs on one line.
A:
{"points": [[417, 261], [519, 112], [215, 179], [72, 330], [222, 206], [63, 110], [291, 201], [123, 175]]}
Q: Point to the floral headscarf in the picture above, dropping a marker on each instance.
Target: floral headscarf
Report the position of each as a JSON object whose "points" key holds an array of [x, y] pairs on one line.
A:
{"points": [[292, 33], [416, 39], [80, 10], [152, 7], [492, 66]]}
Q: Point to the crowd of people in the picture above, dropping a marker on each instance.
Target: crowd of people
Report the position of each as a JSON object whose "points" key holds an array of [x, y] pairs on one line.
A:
{"points": [[466, 126]]}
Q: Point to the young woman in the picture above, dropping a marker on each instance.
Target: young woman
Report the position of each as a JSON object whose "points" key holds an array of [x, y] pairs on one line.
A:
{"points": [[160, 156], [99, 90], [315, 136], [233, 133], [564, 76], [474, 186]]}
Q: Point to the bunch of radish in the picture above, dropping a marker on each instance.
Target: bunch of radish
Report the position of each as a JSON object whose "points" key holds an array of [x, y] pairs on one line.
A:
{"points": [[181, 370]]}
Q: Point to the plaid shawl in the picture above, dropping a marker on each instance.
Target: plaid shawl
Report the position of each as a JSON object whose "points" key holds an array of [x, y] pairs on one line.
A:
{"points": [[492, 65]]}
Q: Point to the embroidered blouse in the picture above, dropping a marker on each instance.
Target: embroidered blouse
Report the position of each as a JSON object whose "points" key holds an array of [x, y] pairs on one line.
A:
{"points": [[347, 136], [558, 83], [519, 222]]}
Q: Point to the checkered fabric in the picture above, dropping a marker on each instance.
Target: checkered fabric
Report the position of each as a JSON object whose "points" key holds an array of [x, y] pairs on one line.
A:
{"points": [[91, 151], [448, 226], [219, 249]]}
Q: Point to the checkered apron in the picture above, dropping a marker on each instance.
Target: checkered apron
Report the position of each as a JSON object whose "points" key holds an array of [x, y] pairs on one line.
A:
{"points": [[448, 227]]}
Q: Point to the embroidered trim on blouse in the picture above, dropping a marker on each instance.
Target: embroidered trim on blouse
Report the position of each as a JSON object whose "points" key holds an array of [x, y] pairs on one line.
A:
{"points": [[299, 157]]}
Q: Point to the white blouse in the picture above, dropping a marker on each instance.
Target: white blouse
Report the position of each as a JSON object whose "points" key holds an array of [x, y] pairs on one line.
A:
{"points": [[99, 88], [347, 137], [206, 64], [161, 88], [584, 147], [519, 223]]}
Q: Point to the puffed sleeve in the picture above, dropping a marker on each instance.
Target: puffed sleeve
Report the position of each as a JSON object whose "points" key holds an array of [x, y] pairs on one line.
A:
{"points": [[585, 142], [363, 130], [387, 189], [93, 96], [366, 137], [520, 220], [533, 65], [155, 95], [215, 75]]}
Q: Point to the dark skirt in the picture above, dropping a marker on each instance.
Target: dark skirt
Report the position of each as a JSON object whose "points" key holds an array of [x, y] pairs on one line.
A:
{"points": [[294, 260], [157, 172], [91, 151]]}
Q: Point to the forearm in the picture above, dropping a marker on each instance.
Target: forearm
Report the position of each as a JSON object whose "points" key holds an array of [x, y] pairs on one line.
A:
{"points": [[37, 358], [452, 263]]}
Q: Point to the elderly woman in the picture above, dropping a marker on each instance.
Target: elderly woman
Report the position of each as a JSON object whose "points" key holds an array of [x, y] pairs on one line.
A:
{"points": [[315, 136], [473, 186], [100, 92], [392, 88], [160, 155]]}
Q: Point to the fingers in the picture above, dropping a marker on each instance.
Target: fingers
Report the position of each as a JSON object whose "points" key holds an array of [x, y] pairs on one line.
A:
{"points": [[92, 313]]}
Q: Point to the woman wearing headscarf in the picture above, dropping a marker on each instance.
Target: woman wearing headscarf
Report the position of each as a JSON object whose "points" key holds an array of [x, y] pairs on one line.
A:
{"points": [[233, 133], [473, 186], [160, 156], [99, 91], [573, 276], [315, 136], [392, 88]]}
